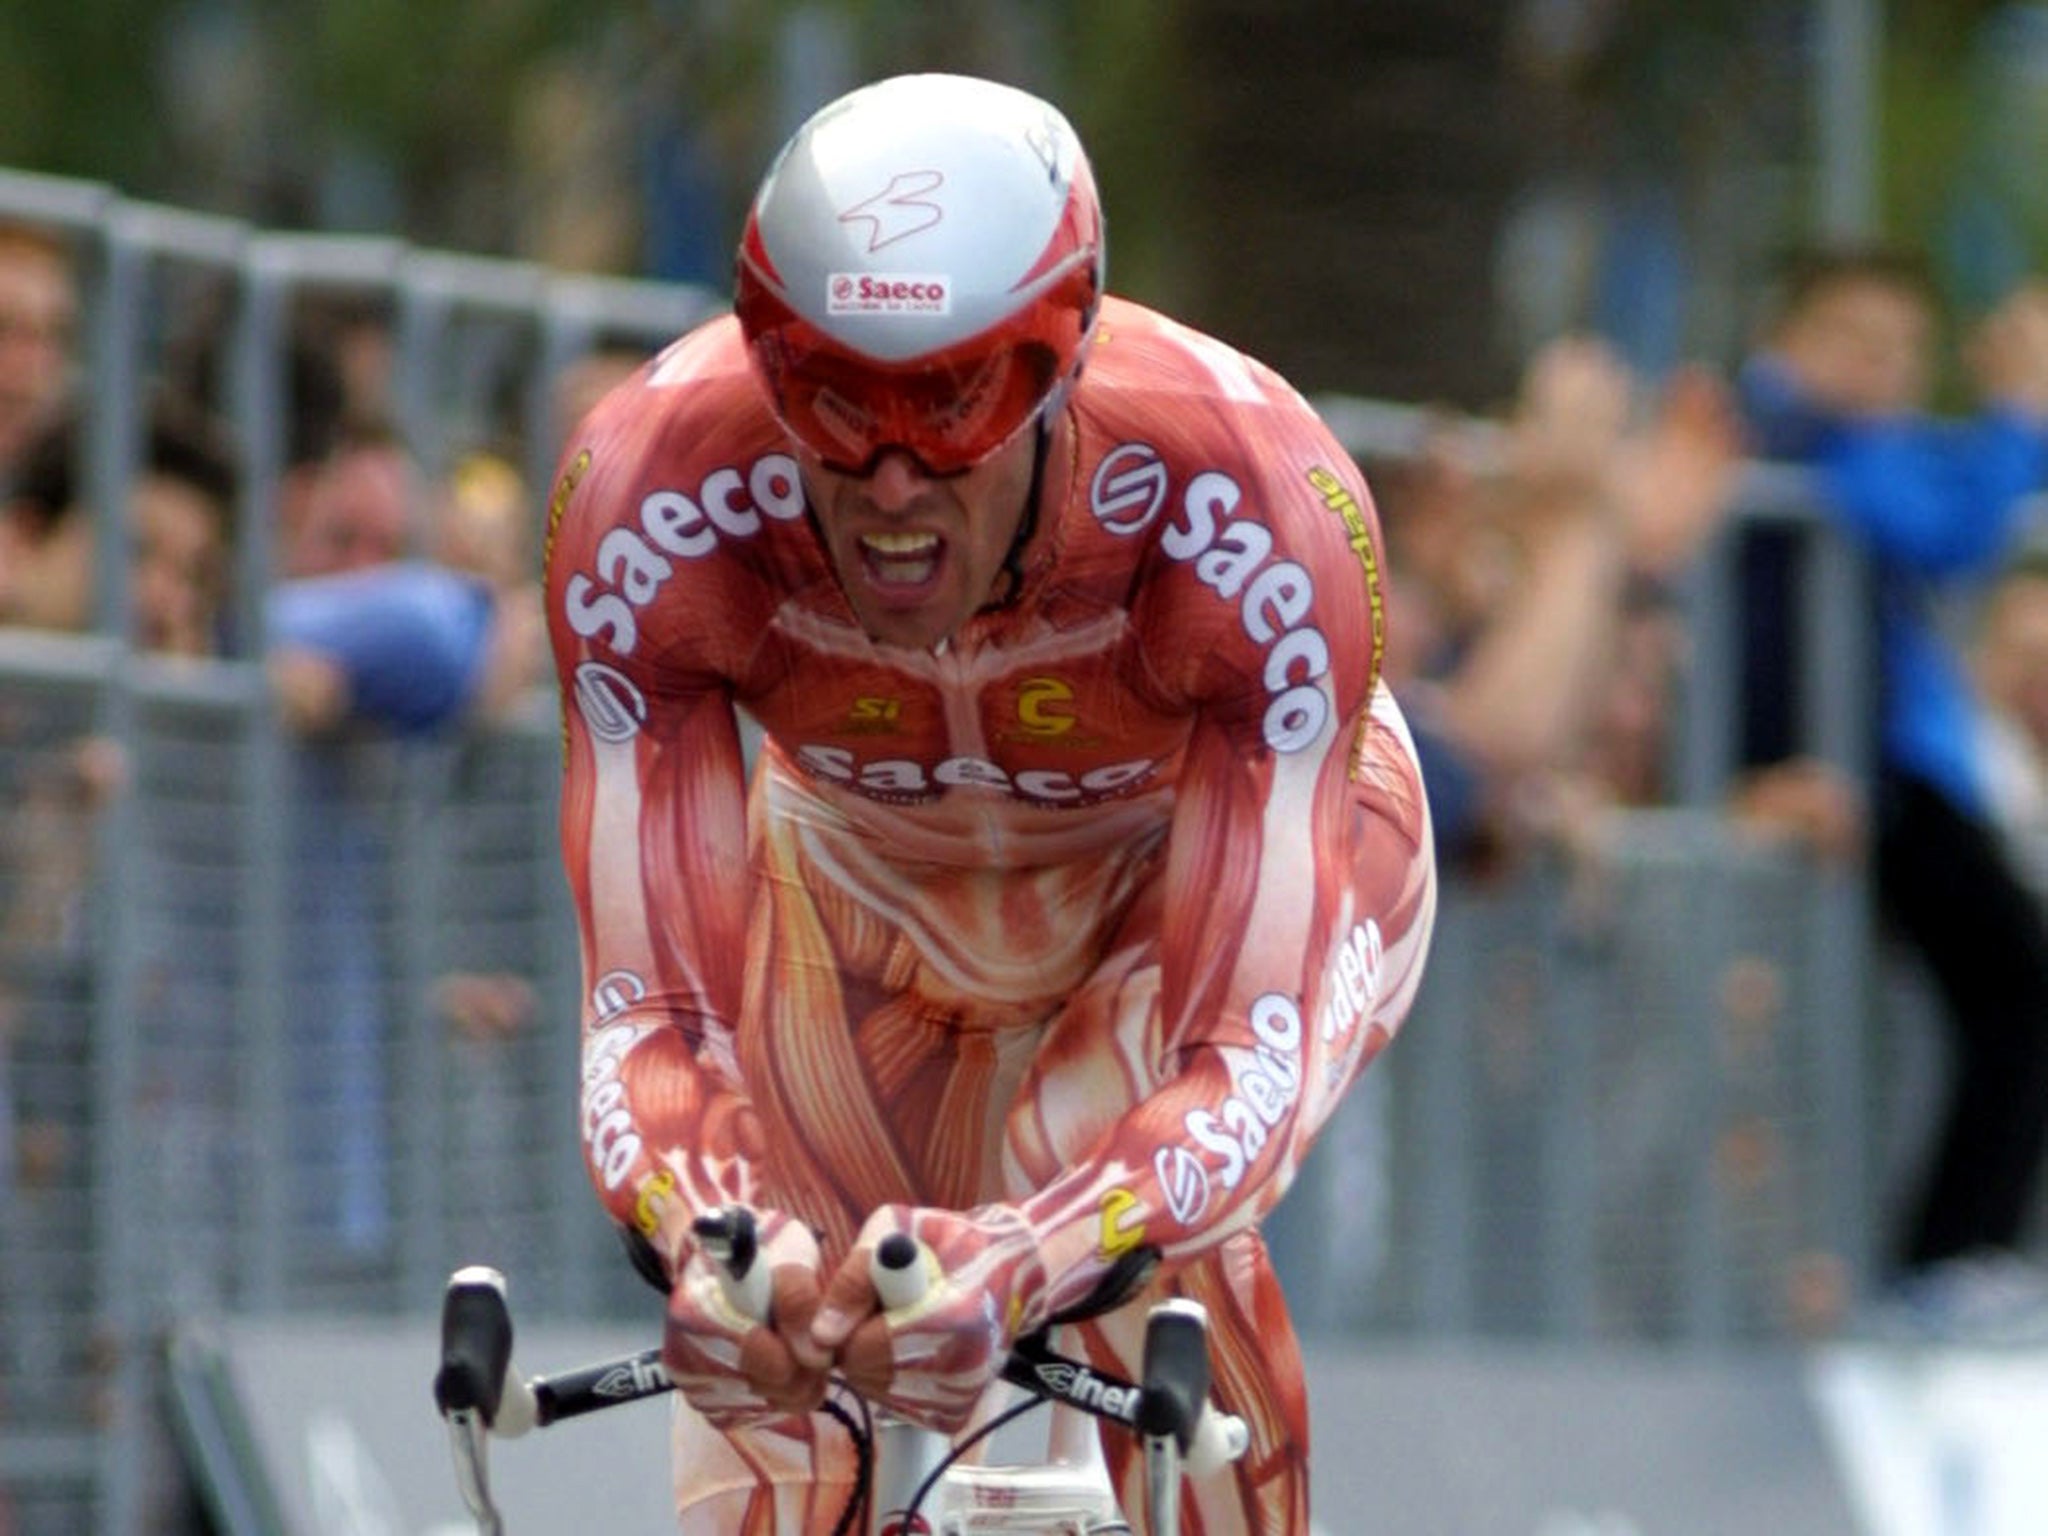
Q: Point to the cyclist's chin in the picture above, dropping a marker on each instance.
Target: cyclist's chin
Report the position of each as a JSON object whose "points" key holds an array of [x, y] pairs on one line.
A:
{"points": [[917, 615], [920, 627]]}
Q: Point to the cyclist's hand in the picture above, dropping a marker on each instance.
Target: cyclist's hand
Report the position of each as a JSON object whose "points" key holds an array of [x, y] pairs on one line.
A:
{"points": [[737, 1369], [931, 1359]]}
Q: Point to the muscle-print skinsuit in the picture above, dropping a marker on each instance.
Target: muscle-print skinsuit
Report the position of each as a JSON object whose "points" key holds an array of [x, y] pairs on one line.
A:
{"points": [[1096, 909]]}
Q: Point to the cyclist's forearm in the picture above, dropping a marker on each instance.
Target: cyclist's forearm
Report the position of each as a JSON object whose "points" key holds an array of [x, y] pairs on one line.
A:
{"points": [[1290, 957], [653, 821], [663, 1140], [1203, 1158]]}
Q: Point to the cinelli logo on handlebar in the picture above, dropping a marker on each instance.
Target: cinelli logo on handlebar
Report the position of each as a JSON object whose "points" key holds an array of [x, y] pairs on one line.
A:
{"points": [[1069, 1381]]}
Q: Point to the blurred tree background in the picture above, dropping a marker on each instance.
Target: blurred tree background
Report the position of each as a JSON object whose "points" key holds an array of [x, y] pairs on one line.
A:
{"points": [[1391, 197]]}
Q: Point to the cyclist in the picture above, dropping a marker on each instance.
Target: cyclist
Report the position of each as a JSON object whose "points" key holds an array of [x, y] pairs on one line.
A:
{"points": [[1085, 861]]}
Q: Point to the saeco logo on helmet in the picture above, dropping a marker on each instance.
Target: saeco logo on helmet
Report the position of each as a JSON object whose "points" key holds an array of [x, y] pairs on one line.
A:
{"points": [[902, 293]]}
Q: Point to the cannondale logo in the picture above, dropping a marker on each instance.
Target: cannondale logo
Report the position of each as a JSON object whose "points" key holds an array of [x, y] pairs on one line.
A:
{"points": [[612, 706], [1129, 488]]}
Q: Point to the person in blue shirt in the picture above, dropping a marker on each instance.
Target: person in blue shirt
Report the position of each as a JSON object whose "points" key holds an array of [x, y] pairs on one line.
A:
{"points": [[1843, 384], [364, 644], [357, 631]]}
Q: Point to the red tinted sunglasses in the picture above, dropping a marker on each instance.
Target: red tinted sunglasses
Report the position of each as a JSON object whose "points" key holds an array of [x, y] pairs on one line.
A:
{"points": [[949, 417]]}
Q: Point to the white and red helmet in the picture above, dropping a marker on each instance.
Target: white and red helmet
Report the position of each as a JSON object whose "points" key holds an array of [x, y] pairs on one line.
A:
{"points": [[921, 269]]}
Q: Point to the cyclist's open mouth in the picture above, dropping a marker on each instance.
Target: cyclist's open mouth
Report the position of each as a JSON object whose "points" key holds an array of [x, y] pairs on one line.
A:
{"points": [[901, 563]]}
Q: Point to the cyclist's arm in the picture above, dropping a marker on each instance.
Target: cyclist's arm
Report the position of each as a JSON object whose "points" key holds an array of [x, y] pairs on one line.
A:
{"points": [[1300, 895], [653, 843]]}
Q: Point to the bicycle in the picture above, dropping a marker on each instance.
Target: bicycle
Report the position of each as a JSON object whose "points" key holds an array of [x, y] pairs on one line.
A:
{"points": [[912, 1481]]}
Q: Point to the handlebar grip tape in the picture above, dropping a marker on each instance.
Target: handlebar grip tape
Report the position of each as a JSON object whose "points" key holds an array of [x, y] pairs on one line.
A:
{"points": [[1176, 1375], [476, 1344]]}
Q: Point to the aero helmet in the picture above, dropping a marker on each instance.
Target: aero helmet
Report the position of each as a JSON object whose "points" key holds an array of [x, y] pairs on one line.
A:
{"points": [[921, 269]]}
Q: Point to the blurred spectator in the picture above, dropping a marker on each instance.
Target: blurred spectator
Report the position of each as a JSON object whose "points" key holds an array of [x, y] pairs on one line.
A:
{"points": [[1843, 384], [38, 308], [181, 506], [2011, 665], [357, 511], [180, 510], [1529, 641], [486, 1006], [359, 334], [360, 634], [180, 518], [481, 520], [362, 643], [46, 572]]}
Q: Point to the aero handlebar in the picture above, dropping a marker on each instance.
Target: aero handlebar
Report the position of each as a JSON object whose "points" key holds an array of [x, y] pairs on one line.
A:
{"points": [[480, 1395]]}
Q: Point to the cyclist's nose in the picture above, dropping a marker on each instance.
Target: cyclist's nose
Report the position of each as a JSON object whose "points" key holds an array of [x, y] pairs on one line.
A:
{"points": [[898, 479]]}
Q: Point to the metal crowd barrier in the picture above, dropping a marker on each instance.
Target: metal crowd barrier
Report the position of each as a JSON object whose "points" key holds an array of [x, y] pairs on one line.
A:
{"points": [[1643, 1094], [1611, 1115], [1630, 1103], [229, 1083]]}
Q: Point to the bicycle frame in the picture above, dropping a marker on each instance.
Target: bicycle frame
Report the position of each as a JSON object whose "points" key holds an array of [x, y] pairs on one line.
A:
{"points": [[480, 1396], [917, 1486]]}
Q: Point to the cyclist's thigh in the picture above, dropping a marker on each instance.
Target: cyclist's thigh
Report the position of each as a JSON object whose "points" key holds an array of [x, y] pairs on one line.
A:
{"points": [[1091, 1066]]}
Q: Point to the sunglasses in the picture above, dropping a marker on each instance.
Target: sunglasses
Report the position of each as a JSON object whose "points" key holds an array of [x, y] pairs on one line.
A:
{"points": [[949, 417]]}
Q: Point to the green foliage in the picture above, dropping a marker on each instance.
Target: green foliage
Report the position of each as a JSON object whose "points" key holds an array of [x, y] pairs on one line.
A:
{"points": [[77, 88], [1125, 93], [1926, 113], [425, 87], [425, 97], [420, 80]]}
